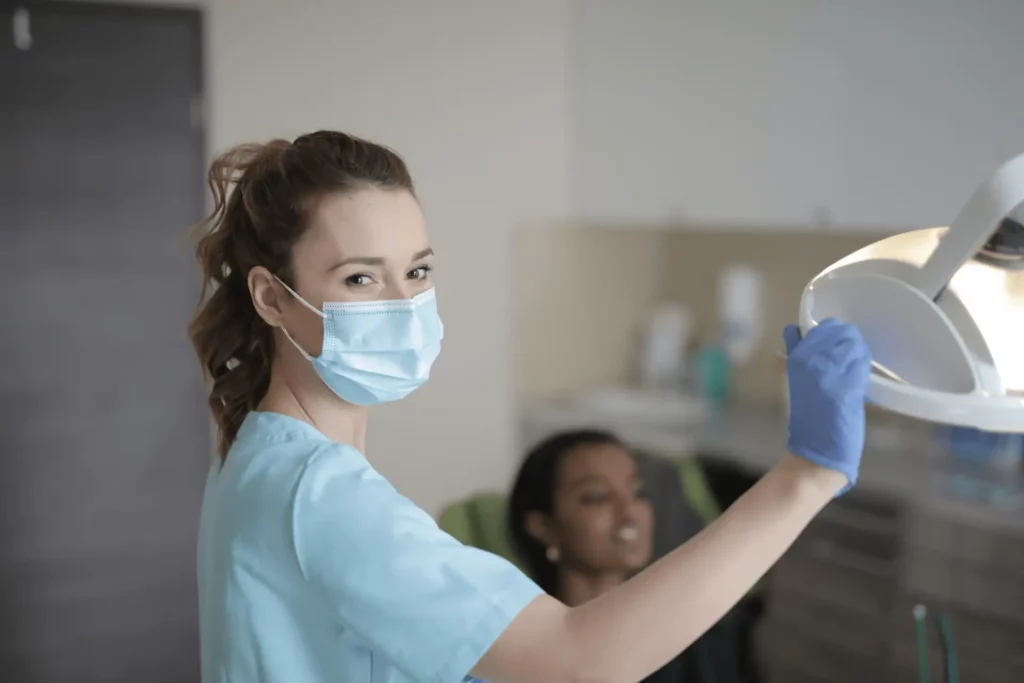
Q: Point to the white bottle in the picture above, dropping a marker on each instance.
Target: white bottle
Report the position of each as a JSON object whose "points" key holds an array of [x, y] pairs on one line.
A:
{"points": [[663, 359], [741, 311]]}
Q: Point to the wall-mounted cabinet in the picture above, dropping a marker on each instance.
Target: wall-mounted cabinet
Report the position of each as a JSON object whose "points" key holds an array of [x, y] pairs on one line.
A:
{"points": [[878, 115]]}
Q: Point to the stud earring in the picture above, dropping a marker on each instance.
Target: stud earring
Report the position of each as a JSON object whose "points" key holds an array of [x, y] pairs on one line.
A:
{"points": [[553, 554]]}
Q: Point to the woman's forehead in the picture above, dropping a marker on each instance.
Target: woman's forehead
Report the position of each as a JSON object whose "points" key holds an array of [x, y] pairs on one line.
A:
{"points": [[366, 224], [596, 460]]}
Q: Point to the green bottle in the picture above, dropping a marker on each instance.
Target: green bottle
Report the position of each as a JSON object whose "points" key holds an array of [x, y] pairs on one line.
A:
{"points": [[714, 374]]}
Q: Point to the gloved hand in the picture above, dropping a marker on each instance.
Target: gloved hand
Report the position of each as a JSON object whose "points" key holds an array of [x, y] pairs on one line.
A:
{"points": [[828, 378]]}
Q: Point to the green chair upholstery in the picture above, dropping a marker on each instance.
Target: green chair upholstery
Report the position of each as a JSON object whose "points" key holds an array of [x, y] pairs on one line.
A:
{"points": [[697, 491], [479, 521]]}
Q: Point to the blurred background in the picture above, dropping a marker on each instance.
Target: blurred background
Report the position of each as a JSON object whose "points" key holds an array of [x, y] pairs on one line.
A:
{"points": [[627, 199]]}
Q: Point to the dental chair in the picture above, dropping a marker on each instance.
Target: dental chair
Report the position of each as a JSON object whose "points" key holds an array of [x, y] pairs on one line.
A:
{"points": [[683, 504]]}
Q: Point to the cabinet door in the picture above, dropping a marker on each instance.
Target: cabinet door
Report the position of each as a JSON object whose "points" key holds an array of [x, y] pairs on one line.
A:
{"points": [[104, 440]]}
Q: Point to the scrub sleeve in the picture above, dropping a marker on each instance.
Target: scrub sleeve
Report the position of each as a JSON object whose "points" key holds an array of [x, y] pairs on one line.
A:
{"points": [[428, 604]]}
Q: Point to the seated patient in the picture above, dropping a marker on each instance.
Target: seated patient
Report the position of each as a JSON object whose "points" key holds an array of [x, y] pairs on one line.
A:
{"points": [[580, 524]]}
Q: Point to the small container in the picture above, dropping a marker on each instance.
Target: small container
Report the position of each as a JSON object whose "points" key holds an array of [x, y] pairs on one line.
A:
{"points": [[714, 374], [666, 335]]}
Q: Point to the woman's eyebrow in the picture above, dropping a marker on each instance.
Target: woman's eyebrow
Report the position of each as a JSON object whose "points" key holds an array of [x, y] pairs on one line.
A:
{"points": [[377, 260], [584, 479], [361, 260]]}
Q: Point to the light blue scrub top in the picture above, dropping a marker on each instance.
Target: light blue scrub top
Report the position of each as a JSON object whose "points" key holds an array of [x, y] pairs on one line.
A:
{"points": [[313, 569]]}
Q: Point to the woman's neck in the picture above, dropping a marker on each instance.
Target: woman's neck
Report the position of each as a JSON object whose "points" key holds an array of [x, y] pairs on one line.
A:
{"points": [[576, 588], [299, 393]]}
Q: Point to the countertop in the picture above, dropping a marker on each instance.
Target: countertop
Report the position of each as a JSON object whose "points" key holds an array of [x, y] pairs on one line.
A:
{"points": [[901, 459]]}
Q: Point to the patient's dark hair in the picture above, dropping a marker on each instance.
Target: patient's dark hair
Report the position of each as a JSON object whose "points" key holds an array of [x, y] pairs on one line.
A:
{"points": [[534, 491]]}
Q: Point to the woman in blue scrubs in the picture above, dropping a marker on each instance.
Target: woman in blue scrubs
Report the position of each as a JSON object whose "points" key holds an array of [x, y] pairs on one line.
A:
{"points": [[318, 303]]}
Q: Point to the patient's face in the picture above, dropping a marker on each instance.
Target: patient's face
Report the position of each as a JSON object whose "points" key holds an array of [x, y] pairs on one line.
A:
{"points": [[602, 521]]}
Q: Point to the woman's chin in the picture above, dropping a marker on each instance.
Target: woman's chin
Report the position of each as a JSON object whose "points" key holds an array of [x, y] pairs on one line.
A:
{"points": [[636, 560]]}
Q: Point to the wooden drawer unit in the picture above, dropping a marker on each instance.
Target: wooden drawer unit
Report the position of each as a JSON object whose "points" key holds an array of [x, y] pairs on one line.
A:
{"points": [[902, 663], [806, 657], [998, 591], [961, 541], [863, 534], [800, 617], [831, 583]]}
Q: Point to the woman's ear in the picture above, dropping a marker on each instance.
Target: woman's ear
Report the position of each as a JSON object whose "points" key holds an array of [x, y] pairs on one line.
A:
{"points": [[267, 295], [538, 526]]}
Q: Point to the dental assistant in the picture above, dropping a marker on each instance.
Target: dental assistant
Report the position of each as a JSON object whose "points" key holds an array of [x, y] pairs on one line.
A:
{"points": [[319, 303]]}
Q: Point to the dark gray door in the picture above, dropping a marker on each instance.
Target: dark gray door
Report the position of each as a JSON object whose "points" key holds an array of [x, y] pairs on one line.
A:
{"points": [[104, 442]]}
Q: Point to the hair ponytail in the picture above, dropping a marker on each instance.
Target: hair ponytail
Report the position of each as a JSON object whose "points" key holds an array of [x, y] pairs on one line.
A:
{"points": [[233, 344], [262, 194]]}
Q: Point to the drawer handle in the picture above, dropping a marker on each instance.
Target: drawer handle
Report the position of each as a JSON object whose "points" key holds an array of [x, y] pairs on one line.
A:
{"points": [[21, 28]]}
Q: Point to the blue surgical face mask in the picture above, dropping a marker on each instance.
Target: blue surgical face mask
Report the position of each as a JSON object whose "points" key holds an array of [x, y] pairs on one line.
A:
{"points": [[376, 351]]}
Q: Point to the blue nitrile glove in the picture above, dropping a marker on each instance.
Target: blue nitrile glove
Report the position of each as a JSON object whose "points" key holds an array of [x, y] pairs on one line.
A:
{"points": [[828, 379]]}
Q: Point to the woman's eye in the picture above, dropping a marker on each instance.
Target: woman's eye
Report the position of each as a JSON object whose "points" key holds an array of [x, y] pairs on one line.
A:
{"points": [[358, 280], [593, 497], [419, 273]]}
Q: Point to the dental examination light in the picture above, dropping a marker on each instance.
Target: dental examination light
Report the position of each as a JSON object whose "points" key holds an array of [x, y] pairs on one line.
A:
{"points": [[942, 310]]}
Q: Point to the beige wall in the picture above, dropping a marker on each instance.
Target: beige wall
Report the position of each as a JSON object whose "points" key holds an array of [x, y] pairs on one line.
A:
{"points": [[473, 94], [580, 312], [581, 296], [481, 119]]}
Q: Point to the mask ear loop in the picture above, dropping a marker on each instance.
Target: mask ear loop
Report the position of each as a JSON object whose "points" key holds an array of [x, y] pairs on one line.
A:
{"points": [[307, 305]]}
